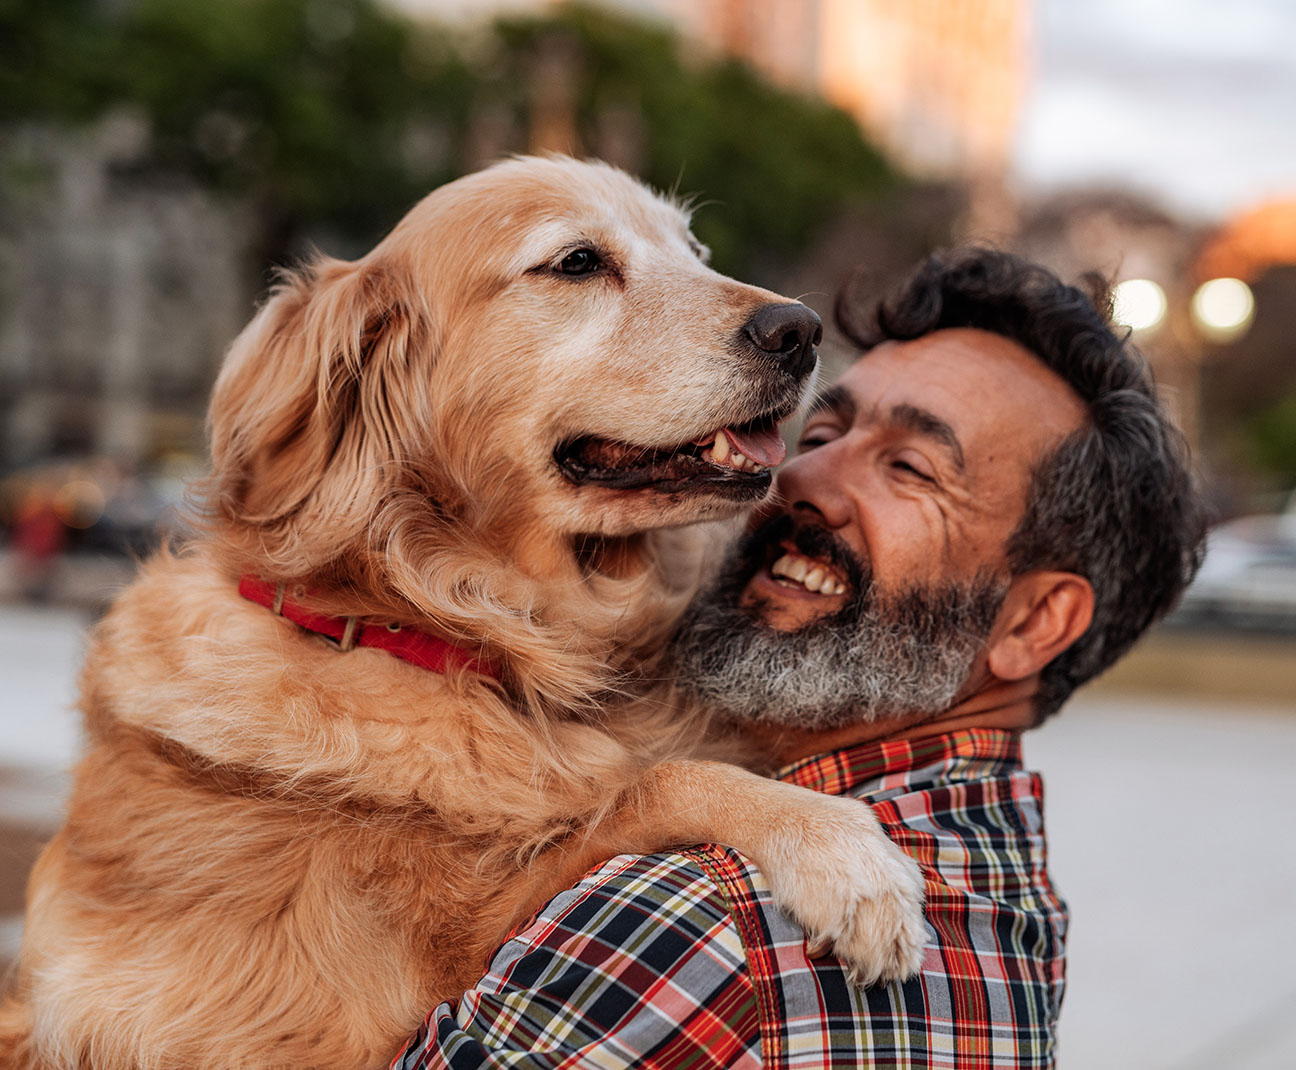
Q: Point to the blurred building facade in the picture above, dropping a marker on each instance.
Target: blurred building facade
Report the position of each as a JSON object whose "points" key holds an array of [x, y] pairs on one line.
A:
{"points": [[119, 299], [937, 83]]}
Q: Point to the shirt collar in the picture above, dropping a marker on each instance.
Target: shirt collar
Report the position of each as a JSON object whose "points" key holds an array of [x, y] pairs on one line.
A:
{"points": [[892, 763]]}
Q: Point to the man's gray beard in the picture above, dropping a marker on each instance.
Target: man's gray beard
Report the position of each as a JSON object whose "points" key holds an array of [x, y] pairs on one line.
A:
{"points": [[904, 655]]}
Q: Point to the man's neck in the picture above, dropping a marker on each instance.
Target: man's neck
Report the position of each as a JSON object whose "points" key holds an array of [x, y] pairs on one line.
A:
{"points": [[993, 703]]}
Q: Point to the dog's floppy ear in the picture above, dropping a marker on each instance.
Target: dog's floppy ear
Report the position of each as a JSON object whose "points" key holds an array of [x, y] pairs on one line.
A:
{"points": [[305, 434]]}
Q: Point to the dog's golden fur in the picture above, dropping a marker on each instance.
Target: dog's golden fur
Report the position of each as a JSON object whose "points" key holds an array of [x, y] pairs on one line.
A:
{"points": [[281, 855]]}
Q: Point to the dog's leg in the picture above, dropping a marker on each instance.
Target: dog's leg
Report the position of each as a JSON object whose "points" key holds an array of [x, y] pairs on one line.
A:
{"points": [[827, 860]]}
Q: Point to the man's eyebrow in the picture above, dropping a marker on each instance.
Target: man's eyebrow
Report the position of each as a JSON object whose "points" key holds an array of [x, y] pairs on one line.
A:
{"points": [[840, 402], [837, 400], [927, 423]]}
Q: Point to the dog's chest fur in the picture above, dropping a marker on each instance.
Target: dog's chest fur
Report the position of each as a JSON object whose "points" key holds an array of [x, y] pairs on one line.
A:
{"points": [[241, 774]]}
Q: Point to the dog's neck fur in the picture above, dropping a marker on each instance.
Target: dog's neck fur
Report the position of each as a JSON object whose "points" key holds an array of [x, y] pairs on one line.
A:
{"points": [[571, 625], [184, 657]]}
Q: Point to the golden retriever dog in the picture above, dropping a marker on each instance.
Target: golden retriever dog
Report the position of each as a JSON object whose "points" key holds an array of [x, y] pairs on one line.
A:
{"points": [[404, 685]]}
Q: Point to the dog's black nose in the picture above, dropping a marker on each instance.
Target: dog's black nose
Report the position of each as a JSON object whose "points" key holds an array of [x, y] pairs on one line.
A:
{"points": [[788, 333]]}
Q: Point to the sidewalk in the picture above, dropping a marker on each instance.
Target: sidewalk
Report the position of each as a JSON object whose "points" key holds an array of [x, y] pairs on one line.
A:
{"points": [[1170, 831]]}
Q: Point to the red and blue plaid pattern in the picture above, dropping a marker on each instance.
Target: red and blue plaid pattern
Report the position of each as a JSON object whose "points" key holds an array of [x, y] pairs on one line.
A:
{"points": [[681, 962]]}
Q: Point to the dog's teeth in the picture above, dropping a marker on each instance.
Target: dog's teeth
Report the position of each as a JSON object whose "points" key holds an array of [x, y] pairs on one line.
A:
{"points": [[721, 452]]}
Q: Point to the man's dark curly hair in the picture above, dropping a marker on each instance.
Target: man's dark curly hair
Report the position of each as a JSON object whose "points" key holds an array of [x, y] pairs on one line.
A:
{"points": [[1115, 501]]}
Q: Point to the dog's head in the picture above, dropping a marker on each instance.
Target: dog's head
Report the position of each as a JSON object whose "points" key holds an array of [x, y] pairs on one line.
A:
{"points": [[536, 352]]}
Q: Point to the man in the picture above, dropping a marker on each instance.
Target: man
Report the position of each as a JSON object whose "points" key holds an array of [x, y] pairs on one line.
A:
{"points": [[985, 511]]}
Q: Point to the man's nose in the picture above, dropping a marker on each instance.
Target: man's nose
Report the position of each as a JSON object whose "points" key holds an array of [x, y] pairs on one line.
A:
{"points": [[814, 482], [786, 334]]}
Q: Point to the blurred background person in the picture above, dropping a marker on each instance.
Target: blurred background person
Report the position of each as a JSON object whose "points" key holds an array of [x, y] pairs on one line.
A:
{"points": [[37, 536]]}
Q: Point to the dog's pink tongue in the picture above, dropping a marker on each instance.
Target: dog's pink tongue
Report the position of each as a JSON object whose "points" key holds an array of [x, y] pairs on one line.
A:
{"points": [[765, 446]]}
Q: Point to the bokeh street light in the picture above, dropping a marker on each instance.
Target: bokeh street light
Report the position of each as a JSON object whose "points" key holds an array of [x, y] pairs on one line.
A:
{"points": [[1222, 309], [1139, 304], [1184, 333]]}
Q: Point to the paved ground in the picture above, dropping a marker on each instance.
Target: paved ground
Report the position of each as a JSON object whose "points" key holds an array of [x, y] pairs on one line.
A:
{"points": [[1170, 827], [1170, 823]]}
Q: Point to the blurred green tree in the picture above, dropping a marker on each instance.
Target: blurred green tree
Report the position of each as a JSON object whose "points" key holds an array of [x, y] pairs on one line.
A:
{"points": [[1272, 436], [335, 115]]}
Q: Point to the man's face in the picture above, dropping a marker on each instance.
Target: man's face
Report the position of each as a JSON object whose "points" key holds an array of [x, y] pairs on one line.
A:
{"points": [[870, 589]]}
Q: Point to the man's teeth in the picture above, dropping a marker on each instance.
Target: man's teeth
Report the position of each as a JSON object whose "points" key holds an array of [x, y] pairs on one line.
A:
{"points": [[721, 453], [811, 574]]}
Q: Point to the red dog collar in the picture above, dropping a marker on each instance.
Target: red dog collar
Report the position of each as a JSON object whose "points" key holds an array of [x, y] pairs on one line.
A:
{"points": [[409, 644]]}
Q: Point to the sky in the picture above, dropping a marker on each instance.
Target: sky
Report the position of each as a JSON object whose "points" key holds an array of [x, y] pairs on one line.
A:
{"points": [[1191, 101]]}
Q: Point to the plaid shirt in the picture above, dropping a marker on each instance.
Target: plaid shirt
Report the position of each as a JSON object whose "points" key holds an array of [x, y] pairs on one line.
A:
{"points": [[680, 961]]}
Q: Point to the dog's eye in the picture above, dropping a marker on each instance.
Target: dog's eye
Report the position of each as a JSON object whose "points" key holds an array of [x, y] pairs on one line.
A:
{"points": [[580, 262]]}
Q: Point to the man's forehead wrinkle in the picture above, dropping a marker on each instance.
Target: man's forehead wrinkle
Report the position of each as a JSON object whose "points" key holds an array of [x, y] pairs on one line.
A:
{"points": [[928, 423]]}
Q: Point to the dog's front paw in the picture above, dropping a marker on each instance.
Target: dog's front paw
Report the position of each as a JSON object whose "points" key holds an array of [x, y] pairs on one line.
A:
{"points": [[854, 892]]}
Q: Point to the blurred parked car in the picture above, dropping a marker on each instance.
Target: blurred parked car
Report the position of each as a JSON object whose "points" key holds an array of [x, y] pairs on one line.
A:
{"points": [[1248, 579]]}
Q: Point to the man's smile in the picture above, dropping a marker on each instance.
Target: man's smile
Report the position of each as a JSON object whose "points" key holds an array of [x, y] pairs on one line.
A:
{"points": [[799, 571], [801, 577]]}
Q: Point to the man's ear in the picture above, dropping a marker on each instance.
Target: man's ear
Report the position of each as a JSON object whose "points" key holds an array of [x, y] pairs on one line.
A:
{"points": [[1043, 613]]}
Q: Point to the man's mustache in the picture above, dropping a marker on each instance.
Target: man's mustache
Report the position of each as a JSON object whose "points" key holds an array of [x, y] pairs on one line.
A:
{"points": [[761, 546]]}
